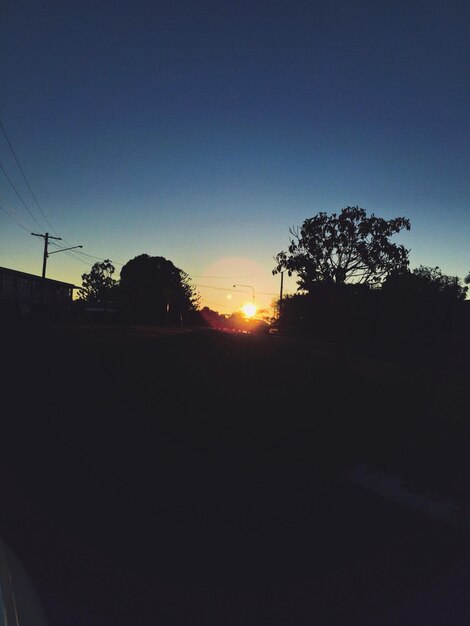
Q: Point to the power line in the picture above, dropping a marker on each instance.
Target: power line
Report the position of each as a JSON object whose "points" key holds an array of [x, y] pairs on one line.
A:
{"points": [[239, 276], [46, 238], [219, 288], [27, 183], [75, 257], [30, 189], [91, 256], [19, 196], [100, 258], [219, 304], [46, 253], [72, 255], [262, 293], [24, 176], [28, 230]]}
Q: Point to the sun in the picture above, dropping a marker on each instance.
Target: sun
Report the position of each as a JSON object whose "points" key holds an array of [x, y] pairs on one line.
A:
{"points": [[249, 309]]}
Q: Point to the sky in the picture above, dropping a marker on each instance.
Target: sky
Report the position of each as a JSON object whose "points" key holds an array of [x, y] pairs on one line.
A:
{"points": [[202, 131]]}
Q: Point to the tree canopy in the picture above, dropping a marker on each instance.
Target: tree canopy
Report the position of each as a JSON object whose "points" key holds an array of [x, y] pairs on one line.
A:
{"points": [[154, 290], [426, 283], [350, 247], [99, 286]]}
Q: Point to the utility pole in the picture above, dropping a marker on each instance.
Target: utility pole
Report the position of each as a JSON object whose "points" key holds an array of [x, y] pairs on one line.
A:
{"points": [[46, 254], [46, 238], [280, 296]]}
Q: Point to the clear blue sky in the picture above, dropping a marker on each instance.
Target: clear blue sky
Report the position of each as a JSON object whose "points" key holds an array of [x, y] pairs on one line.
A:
{"points": [[201, 131]]}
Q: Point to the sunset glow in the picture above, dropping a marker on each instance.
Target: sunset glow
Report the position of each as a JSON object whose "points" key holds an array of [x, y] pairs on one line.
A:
{"points": [[249, 309]]}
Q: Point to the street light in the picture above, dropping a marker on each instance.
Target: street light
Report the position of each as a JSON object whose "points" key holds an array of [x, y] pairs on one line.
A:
{"points": [[249, 287], [63, 250]]}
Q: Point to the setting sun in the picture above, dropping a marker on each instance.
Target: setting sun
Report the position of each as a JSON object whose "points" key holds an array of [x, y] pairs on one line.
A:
{"points": [[249, 309]]}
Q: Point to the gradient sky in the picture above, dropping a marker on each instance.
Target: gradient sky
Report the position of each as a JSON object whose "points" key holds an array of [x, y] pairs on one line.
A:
{"points": [[201, 131]]}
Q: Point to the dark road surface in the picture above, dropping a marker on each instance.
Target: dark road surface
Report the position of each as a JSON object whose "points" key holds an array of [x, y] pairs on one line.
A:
{"points": [[195, 479]]}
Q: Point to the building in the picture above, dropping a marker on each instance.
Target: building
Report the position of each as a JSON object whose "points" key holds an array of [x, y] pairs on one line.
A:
{"points": [[28, 296]]}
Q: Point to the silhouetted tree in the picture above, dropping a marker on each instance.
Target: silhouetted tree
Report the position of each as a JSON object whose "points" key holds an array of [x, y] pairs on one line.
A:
{"points": [[418, 305], [99, 286], [331, 312], [153, 290], [212, 318], [347, 248], [426, 283]]}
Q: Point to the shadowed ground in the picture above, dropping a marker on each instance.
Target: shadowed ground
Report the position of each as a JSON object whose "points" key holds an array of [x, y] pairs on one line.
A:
{"points": [[195, 478]]}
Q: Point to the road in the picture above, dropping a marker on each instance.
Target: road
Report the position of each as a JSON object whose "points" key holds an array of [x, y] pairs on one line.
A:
{"points": [[196, 478]]}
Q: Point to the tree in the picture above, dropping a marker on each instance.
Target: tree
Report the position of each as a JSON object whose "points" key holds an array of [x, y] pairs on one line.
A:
{"points": [[99, 286], [420, 303], [426, 284], [212, 318], [434, 281], [153, 290], [347, 248]]}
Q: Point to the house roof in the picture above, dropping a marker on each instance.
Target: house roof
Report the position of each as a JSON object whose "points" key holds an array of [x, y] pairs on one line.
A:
{"points": [[34, 276]]}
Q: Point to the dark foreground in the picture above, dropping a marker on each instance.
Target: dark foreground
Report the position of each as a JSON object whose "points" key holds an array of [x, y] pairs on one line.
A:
{"points": [[196, 478]]}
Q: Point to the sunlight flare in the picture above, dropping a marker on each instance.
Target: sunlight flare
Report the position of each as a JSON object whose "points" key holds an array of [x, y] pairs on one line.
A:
{"points": [[249, 309]]}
